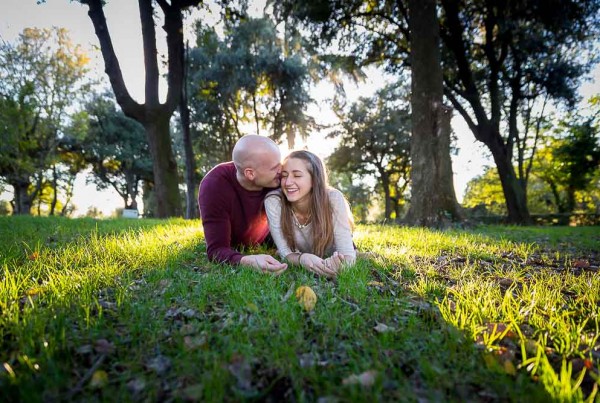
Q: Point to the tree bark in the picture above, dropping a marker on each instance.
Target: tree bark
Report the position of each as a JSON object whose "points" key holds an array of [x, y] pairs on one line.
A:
{"points": [[191, 205], [433, 199], [22, 199], [486, 129], [153, 115]]}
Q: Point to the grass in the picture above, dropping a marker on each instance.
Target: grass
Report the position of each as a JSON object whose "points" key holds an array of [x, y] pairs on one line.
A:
{"points": [[131, 310]]}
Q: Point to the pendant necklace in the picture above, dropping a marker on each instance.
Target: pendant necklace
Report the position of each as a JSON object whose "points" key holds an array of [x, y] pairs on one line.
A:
{"points": [[297, 222]]}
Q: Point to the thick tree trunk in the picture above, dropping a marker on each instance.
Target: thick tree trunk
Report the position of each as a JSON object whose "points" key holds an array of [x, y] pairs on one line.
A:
{"points": [[153, 115], [514, 193], [433, 199], [164, 167], [22, 200]]}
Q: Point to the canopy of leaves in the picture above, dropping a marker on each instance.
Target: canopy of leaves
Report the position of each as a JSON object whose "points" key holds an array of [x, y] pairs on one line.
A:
{"points": [[374, 139], [248, 81], [41, 74], [114, 145]]}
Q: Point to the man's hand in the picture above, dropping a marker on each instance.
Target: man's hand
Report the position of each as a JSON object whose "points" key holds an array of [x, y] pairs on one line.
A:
{"points": [[265, 263]]}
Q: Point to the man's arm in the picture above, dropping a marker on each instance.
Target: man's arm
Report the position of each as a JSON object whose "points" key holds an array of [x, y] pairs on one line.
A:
{"points": [[216, 220]]}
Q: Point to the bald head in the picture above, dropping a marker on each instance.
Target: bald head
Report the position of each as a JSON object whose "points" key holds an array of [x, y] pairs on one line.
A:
{"points": [[258, 162], [251, 150]]}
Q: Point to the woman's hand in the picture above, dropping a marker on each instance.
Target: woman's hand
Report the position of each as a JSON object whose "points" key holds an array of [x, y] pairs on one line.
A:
{"points": [[316, 265], [335, 262]]}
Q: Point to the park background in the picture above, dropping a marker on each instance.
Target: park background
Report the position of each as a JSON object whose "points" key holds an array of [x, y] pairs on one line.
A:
{"points": [[470, 157]]}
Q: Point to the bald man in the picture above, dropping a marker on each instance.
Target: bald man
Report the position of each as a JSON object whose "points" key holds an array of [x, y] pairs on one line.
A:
{"points": [[231, 203]]}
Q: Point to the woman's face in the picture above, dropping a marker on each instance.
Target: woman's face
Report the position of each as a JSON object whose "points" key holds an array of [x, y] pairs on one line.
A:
{"points": [[296, 181]]}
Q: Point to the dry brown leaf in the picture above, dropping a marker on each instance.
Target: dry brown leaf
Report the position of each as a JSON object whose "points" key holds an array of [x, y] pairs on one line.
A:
{"points": [[103, 346]]}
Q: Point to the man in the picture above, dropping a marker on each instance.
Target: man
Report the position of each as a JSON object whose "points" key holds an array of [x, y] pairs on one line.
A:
{"points": [[231, 203]]}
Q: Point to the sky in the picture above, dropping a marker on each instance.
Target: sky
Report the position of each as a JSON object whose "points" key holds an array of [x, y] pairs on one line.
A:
{"points": [[124, 26]]}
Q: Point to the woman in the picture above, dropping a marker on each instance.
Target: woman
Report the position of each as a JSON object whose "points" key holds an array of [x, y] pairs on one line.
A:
{"points": [[310, 222]]}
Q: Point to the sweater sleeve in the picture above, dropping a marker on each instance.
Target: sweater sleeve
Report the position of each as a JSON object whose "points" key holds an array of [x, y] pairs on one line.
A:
{"points": [[215, 208], [342, 226], [273, 210]]}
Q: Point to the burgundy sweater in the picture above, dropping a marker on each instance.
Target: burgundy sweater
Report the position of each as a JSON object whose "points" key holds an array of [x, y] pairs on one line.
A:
{"points": [[231, 215]]}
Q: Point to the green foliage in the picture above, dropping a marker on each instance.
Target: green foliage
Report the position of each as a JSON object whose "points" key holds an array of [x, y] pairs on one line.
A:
{"points": [[484, 194], [114, 145], [249, 80], [375, 141], [40, 75], [569, 160]]}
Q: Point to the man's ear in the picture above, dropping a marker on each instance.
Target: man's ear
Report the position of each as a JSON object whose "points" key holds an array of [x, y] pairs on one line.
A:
{"points": [[249, 174]]}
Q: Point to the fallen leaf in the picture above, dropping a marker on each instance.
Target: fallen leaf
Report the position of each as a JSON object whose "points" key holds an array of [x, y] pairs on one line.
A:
{"points": [[159, 364], [306, 297], [375, 283], [85, 349], [581, 263], [588, 364], [136, 385], [365, 379], [193, 343], [251, 306], [34, 256], [193, 393], [103, 346], [99, 379], [383, 328], [242, 371]]}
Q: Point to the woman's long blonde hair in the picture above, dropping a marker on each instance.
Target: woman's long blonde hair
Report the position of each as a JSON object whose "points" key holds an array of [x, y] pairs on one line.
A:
{"points": [[320, 209]]}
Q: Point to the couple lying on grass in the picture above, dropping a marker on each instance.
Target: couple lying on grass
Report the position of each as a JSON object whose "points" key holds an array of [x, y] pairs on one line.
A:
{"points": [[255, 199]]}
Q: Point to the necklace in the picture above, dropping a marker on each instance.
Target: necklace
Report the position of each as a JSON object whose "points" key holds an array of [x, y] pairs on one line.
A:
{"points": [[297, 222]]}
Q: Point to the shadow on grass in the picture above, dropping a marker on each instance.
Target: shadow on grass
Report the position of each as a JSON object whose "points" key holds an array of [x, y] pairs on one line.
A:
{"points": [[192, 330]]}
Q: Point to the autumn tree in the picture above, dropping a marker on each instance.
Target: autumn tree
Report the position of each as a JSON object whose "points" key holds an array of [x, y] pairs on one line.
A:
{"points": [[152, 114], [39, 75]]}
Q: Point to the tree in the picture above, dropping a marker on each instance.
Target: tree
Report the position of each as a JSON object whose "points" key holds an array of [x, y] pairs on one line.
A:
{"points": [[152, 114], [569, 160], [115, 147], [374, 140], [496, 49], [497, 57], [243, 82], [433, 200], [39, 74]]}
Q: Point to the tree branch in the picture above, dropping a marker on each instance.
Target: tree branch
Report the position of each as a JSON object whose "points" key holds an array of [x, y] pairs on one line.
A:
{"points": [[150, 53], [111, 63]]}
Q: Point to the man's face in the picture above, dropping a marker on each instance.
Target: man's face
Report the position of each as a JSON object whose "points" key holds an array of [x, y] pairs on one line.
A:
{"points": [[268, 170]]}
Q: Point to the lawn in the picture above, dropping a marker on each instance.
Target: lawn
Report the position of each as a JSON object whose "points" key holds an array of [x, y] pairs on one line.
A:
{"points": [[131, 310]]}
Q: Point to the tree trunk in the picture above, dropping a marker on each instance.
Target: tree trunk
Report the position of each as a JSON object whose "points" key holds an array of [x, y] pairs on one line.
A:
{"points": [[385, 183], [153, 115], [191, 205], [54, 190], [514, 193], [433, 199], [164, 167], [23, 201]]}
